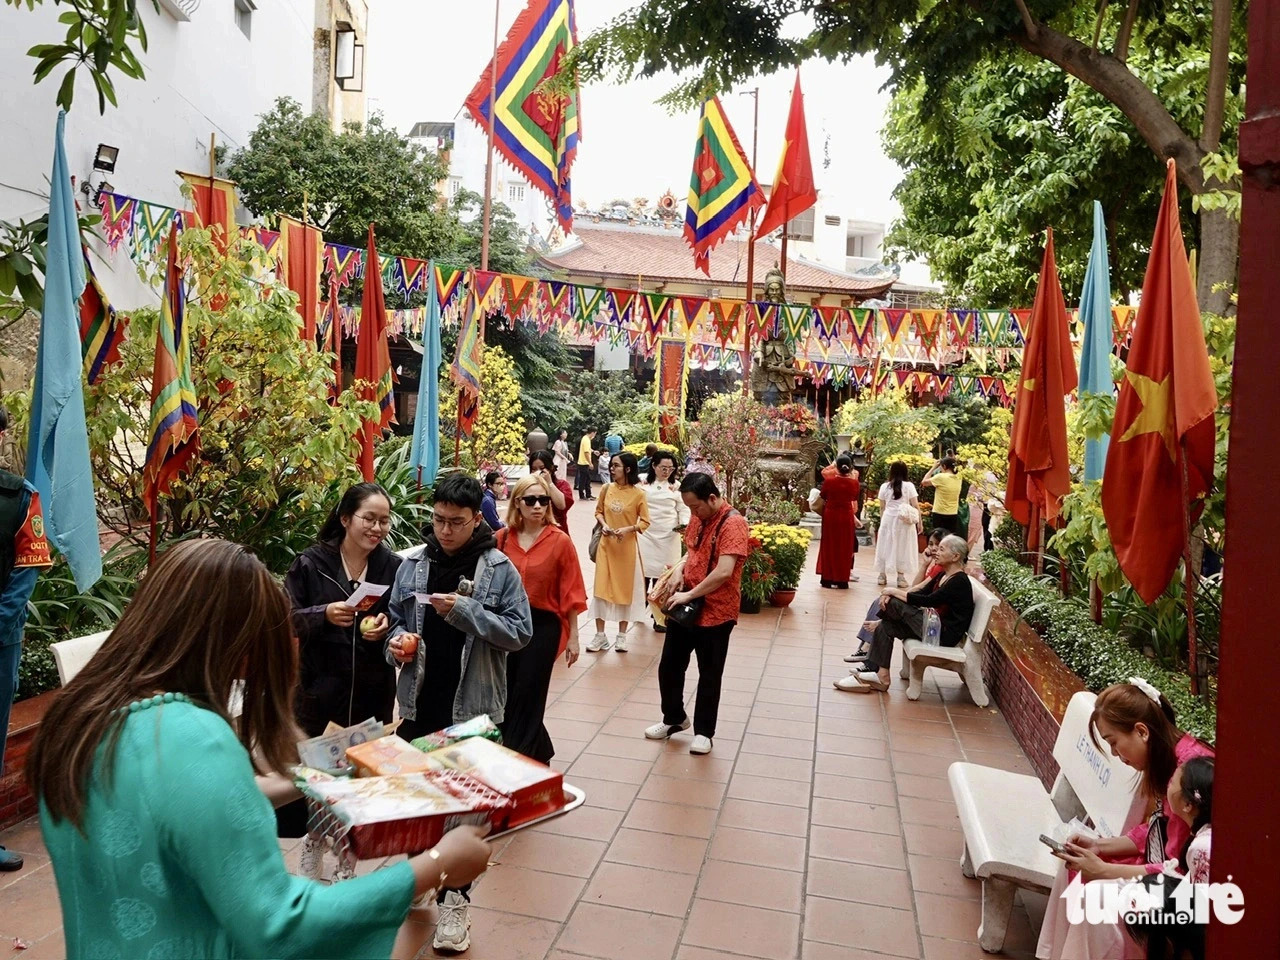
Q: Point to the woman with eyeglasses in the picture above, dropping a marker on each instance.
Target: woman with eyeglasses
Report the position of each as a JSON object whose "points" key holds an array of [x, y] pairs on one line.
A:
{"points": [[344, 675], [548, 565], [660, 543]]}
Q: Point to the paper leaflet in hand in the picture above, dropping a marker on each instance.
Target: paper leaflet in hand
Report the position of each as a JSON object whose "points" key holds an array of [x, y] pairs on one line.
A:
{"points": [[366, 595], [329, 750]]}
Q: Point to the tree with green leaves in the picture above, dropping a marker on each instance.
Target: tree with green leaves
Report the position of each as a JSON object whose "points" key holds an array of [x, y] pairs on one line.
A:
{"points": [[98, 38], [296, 165], [720, 45]]}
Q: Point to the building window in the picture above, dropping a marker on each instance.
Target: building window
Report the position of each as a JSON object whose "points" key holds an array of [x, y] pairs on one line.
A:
{"points": [[515, 193], [801, 226], [858, 245], [455, 184], [244, 17]]}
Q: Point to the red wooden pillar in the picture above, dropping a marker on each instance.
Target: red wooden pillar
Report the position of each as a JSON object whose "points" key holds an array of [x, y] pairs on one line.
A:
{"points": [[1246, 822]]}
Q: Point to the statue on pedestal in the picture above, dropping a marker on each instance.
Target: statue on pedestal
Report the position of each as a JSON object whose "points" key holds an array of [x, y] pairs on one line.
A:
{"points": [[773, 365]]}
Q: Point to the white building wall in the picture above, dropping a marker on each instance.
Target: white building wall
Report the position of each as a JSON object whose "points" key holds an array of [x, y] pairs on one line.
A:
{"points": [[203, 76], [466, 167]]}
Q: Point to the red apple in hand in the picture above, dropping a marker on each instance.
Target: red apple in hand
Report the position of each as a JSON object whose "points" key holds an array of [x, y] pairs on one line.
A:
{"points": [[409, 644]]}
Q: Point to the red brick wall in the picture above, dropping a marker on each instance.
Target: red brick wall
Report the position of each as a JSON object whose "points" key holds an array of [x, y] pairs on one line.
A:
{"points": [[1033, 726], [16, 803]]}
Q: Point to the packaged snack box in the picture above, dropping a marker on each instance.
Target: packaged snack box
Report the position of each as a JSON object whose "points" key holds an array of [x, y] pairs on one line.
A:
{"points": [[383, 816], [535, 790], [480, 726], [387, 756]]}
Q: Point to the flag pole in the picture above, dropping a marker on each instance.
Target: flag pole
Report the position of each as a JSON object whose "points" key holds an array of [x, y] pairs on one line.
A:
{"points": [[1193, 658], [488, 160], [751, 249]]}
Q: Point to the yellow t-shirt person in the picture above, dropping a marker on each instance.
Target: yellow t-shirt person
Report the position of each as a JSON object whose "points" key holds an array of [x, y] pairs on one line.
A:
{"points": [[584, 451], [946, 499]]}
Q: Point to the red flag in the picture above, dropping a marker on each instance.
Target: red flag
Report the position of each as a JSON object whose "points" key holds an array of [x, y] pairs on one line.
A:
{"points": [[373, 358], [301, 259], [215, 203], [1165, 411], [793, 190], [1038, 468]]}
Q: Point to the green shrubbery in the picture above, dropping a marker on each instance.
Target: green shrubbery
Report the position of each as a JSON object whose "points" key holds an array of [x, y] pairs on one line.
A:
{"points": [[1097, 655]]}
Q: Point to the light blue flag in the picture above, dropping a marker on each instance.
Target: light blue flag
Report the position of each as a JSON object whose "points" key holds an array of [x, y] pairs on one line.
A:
{"points": [[1095, 353], [58, 444], [424, 454]]}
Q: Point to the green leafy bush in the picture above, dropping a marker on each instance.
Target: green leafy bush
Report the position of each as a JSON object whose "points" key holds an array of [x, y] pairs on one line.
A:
{"points": [[1098, 656]]}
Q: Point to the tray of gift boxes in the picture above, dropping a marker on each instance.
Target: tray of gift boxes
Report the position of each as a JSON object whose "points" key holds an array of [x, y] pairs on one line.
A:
{"points": [[386, 796]]}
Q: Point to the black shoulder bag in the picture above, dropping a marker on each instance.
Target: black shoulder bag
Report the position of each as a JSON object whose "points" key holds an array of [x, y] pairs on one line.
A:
{"points": [[686, 614]]}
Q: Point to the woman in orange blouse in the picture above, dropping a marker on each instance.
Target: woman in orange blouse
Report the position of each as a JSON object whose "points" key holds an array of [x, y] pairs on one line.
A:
{"points": [[548, 565]]}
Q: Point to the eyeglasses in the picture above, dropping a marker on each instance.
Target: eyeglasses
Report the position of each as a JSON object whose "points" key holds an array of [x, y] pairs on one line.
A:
{"points": [[457, 524], [535, 501], [369, 520]]}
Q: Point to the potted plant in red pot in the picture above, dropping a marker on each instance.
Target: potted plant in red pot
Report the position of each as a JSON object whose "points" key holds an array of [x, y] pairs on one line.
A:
{"points": [[758, 578], [788, 548]]}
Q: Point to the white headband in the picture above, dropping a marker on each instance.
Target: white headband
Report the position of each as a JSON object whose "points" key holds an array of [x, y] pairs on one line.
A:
{"points": [[1146, 688]]}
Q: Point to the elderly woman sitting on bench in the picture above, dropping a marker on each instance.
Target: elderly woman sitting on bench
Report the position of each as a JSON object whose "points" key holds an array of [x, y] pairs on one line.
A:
{"points": [[902, 616]]}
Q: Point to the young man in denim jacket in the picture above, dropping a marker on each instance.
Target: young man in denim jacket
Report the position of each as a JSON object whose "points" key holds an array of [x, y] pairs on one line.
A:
{"points": [[452, 641]]}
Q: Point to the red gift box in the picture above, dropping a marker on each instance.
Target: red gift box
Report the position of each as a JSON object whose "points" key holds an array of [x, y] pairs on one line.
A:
{"points": [[534, 789], [383, 816]]}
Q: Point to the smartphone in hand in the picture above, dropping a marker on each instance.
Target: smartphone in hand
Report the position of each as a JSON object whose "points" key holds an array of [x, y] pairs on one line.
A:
{"points": [[1053, 845]]}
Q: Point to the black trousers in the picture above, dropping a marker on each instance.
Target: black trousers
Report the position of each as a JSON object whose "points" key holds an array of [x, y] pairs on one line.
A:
{"points": [[582, 479], [986, 530], [528, 680], [898, 621], [949, 522], [711, 644]]}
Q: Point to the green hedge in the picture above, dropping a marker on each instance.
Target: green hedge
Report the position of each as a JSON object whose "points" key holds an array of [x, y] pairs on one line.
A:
{"points": [[1098, 656]]}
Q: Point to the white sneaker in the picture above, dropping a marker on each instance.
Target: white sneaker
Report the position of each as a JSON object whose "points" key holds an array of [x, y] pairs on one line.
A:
{"points": [[598, 643], [311, 863], [700, 745], [620, 643], [662, 731], [453, 929]]}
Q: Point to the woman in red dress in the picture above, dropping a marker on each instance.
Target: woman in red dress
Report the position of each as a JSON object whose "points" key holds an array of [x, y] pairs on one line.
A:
{"points": [[838, 503]]}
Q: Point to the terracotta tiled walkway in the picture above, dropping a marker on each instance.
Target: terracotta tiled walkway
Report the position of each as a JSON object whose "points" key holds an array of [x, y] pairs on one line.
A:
{"points": [[821, 827]]}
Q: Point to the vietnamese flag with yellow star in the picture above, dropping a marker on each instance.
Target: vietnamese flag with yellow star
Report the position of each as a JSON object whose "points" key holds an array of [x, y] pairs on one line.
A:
{"points": [[1039, 471], [1164, 413]]}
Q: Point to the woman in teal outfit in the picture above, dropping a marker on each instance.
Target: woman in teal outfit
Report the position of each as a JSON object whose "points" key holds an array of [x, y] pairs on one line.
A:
{"points": [[162, 843]]}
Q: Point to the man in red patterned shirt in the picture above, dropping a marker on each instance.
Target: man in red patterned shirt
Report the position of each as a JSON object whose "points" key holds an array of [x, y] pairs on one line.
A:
{"points": [[717, 541]]}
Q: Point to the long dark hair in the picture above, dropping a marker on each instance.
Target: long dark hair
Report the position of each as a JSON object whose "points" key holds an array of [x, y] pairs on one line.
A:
{"points": [[897, 477], [1197, 787], [207, 614], [844, 464], [630, 467], [333, 531], [546, 457], [1124, 706]]}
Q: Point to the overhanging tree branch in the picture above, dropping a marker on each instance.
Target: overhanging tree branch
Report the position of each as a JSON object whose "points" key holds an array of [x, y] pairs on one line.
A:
{"points": [[1126, 31], [1028, 22], [1219, 63]]}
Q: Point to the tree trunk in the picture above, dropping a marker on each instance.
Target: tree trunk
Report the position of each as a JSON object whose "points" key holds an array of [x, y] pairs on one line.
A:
{"points": [[1219, 254]]}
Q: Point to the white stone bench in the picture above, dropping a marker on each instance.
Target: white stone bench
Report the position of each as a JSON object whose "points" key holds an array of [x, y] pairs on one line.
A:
{"points": [[1003, 814], [72, 655], [965, 659]]}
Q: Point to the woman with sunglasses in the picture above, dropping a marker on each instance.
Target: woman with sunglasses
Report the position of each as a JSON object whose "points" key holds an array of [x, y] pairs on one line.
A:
{"points": [[344, 676], [548, 565]]}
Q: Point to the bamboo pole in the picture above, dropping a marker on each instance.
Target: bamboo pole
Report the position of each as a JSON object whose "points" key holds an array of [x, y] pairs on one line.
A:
{"points": [[488, 161], [1193, 659]]}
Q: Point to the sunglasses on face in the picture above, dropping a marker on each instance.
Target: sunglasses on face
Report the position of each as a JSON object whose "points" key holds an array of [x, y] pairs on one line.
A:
{"points": [[535, 501]]}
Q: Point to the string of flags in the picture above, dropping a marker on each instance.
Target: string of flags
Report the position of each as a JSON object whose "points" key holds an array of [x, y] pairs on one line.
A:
{"points": [[829, 340]]}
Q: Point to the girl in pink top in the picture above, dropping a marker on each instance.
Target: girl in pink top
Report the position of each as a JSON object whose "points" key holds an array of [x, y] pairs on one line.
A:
{"points": [[1137, 722]]}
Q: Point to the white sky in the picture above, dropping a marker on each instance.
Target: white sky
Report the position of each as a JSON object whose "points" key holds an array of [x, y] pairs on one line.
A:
{"points": [[425, 55]]}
